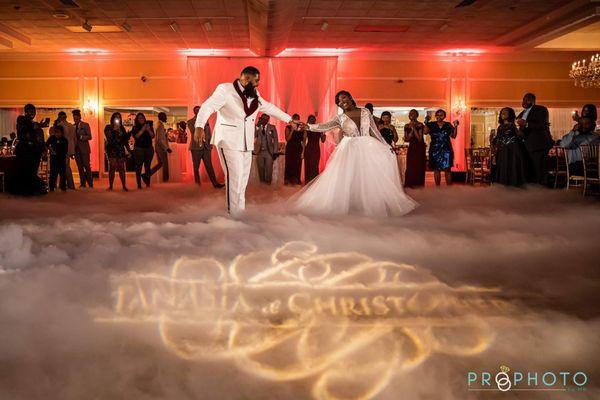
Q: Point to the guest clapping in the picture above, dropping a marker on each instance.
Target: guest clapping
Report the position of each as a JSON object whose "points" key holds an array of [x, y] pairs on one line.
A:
{"points": [[509, 149], [116, 146], [441, 155], [415, 156], [533, 121], [143, 152], [387, 130]]}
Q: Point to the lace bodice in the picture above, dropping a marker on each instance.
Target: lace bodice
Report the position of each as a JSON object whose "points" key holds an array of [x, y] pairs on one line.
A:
{"points": [[348, 126]]}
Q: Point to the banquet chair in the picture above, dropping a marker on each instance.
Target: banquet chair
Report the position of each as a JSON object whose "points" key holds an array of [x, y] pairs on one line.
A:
{"points": [[591, 161], [560, 166], [478, 165], [573, 181], [44, 170]]}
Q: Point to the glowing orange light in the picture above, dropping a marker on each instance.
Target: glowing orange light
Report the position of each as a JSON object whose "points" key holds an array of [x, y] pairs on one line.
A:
{"points": [[461, 52], [315, 51], [87, 51], [218, 52]]}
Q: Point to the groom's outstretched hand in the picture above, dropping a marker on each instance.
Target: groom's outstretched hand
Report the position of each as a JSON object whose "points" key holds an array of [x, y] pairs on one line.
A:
{"points": [[199, 134]]}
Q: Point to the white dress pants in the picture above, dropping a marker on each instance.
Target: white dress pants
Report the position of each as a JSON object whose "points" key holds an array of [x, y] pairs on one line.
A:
{"points": [[236, 165]]}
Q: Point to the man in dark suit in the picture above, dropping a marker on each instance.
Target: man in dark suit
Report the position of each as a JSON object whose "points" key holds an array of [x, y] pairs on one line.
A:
{"points": [[83, 135], [201, 150], [266, 146], [534, 122]]}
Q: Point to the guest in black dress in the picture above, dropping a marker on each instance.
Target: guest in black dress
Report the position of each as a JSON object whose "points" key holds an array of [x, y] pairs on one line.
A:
{"points": [[312, 152], [143, 151], [415, 156], [510, 151], [116, 146], [28, 154], [387, 130], [293, 153], [441, 155]]}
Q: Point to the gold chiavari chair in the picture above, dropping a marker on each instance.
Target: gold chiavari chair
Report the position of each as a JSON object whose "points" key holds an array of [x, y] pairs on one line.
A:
{"points": [[573, 180], [44, 170], [478, 165], [560, 167], [591, 160]]}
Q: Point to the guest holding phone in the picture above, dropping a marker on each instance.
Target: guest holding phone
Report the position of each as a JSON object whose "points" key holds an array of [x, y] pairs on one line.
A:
{"points": [[116, 146], [143, 151]]}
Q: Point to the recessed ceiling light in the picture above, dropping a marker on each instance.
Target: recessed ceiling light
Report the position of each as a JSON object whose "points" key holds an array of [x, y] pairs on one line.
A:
{"points": [[207, 26], [174, 26], [126, 27], [444, 27], [61, 15], [324, 26]]}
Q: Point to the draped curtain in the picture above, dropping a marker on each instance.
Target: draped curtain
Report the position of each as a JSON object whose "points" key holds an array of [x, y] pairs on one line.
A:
{"points": [[296, 85]]}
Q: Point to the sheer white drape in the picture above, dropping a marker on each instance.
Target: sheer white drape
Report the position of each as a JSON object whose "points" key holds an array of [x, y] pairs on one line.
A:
{"points": [[8, 121], [296, 85]]}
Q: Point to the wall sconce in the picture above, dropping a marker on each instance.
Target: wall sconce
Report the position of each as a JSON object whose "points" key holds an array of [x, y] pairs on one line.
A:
{"points": [[90, 107], [459, 106]]}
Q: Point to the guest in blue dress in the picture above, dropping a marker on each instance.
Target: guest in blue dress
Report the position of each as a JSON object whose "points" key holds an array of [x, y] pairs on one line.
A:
{"points": [[441, 155]]}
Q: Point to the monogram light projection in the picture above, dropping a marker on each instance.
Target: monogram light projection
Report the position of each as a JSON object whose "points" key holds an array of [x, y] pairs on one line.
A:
{"points": [[343, 321]]}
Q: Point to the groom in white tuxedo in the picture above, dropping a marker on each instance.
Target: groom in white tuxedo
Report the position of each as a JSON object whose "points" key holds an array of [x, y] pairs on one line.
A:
{"points": [[236, 105]]}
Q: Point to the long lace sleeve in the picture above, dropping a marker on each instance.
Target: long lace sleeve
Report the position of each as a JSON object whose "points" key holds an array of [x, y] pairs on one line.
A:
{"points": [[326, 126], [373, 131]]}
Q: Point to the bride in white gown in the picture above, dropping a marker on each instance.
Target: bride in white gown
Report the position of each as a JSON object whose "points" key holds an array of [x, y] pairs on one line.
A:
{"points": [[362, 175]]}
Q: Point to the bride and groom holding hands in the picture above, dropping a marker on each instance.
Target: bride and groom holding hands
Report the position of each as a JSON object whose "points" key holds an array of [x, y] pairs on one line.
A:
{"points": [[361, 177]]}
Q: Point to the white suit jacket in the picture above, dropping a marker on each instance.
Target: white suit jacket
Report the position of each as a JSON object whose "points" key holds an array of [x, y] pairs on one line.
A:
{"points": [[233, 129]]}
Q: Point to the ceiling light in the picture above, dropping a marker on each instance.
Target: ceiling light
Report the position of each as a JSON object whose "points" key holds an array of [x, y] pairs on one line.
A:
{"points": [[207, 26], [60, 15], [174, 26], [444, 27], [324, 26], [126, 27], [86, 25], [97, 28]]}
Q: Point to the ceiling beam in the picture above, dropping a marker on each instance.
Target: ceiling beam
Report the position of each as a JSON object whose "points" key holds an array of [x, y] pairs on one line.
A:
{"points": [[8, 31], [560, 21], [6, 43], [258, 25], [270, 24]]}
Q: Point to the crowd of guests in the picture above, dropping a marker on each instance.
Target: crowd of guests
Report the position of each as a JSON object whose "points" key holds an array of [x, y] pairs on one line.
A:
{"points": [[519, 147]]}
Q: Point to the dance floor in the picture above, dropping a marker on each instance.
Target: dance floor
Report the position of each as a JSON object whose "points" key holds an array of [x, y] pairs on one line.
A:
{"points": [[159, 294]]}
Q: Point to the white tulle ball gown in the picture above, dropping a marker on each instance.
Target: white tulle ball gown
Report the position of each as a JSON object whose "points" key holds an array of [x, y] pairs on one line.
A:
{"points": [[361, 177]]}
